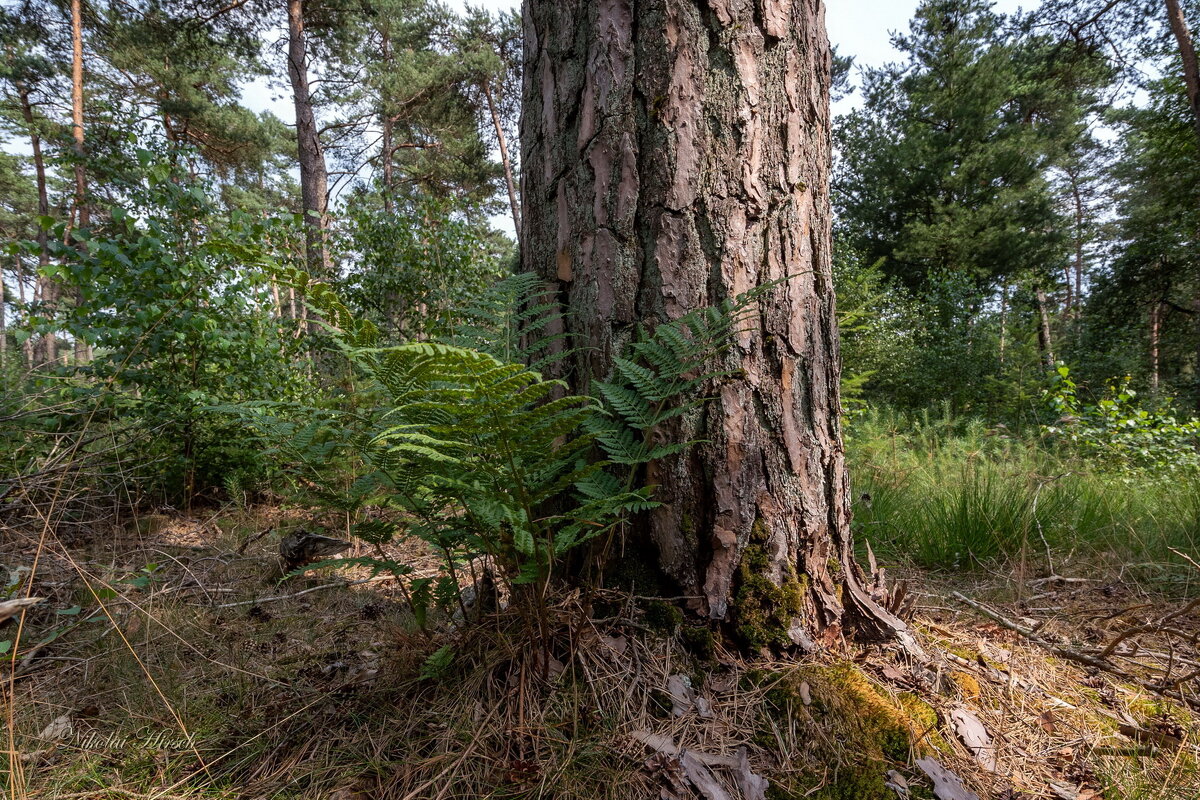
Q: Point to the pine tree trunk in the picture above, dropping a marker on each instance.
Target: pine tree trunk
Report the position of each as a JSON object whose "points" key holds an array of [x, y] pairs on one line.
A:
{"points": [[386, 150], [1187, 52], [314, 180], [502, 141], [1155, 333], [82, 348], [675, 153], [27, 347], [81, 211], [46, 288]]}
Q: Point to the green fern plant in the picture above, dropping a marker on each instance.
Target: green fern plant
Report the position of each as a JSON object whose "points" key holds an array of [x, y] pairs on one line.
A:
{"points": [[476, 453]]}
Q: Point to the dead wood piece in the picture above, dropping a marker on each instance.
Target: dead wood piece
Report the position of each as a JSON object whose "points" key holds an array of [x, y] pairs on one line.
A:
{"points": [[10, 608], [1068, 654]]}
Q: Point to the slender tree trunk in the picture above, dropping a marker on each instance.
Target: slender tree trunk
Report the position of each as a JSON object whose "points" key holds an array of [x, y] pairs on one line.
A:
{"points": [[676, 153], [1045, 344], [388, 167], [47, 289], [1155, 334], [314, 180], [82, 220], [81, 213], [4, 318], [1077, 197], [27, 347], [1196, 369], [1003, 322], [389, 124], [509, 181], [1187, 52]]}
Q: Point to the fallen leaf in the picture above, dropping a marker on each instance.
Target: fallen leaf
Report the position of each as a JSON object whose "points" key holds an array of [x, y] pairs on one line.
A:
{"points": [[946, 785], [699, 775], [58, 729], [892, 674], [617, 644], [897, 783], [683, 698], [656, 741], [972, 733], [721, 683], [1047, 721], [752, 786]]}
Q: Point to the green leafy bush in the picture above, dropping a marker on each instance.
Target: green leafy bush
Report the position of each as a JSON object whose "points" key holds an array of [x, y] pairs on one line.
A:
{"points": [[1117, 432]]}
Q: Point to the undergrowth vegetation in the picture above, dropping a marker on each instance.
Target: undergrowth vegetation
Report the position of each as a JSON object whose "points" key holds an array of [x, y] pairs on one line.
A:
{"points": [[946, 492]]}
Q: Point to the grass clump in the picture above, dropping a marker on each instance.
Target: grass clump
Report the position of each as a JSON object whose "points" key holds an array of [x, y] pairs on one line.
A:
{"points": [[951, 493]]}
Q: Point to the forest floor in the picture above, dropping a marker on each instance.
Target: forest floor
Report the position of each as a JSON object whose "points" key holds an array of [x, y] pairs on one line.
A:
{"points": [[173, 667]]}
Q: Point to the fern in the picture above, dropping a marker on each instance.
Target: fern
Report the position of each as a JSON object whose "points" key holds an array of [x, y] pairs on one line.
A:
{"points": [[517, 323], [658, 377], [478, 452]]}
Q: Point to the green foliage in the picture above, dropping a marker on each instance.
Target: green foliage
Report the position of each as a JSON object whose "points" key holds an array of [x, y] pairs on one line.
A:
{"points": [[936, 177], [479, 456], [416, 268], [169, 293], [951, 492], [1117, 433]]}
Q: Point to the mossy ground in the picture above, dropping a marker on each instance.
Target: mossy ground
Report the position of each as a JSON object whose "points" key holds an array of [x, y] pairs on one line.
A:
{"points": [[852, 724], [763, 611]]}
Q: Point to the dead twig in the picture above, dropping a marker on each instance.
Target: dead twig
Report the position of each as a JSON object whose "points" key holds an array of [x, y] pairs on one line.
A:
{"points": [[1067, 654], [272, 598]]}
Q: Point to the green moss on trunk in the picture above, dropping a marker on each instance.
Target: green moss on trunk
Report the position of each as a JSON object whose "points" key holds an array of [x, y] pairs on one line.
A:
{"points": [[763, 611]]}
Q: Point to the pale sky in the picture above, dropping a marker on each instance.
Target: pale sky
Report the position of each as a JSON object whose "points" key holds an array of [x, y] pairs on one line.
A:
{"points": [[860, 28]]}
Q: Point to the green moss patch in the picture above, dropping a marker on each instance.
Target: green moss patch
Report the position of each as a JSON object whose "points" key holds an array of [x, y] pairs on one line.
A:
{"points": [[854, 729]]}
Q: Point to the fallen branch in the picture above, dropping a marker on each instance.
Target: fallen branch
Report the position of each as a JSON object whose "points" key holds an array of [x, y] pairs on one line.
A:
{"points": [[1068, 654], [376, 579]]}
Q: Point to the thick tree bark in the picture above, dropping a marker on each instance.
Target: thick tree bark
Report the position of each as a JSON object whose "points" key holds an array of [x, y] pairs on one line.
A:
{"points": [[1187, 52], [314, 179], [676, 153]]}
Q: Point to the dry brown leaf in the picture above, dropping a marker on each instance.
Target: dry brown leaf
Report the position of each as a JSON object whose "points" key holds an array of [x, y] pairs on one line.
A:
{"points": [[700, 776], [683, 698], [721, 683], [59, 728], [897, 783], [752, 786], [1047, 721]]}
